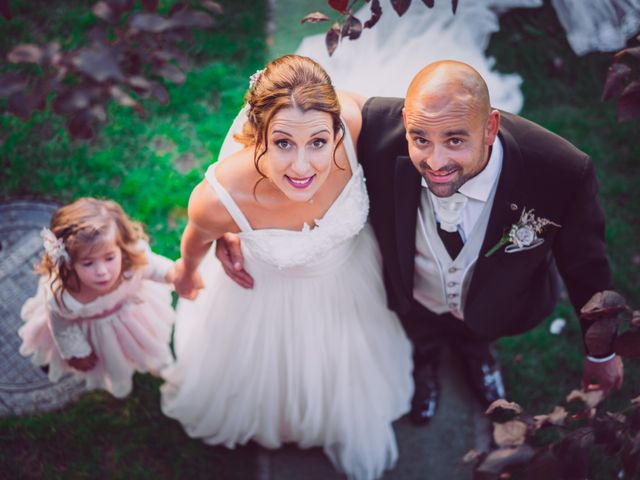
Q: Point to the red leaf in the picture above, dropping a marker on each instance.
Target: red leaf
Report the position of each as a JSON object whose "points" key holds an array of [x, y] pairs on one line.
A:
{"points": [[629, 102], [212, 6], [178, 7], [104, 11], [400, 6], [4, 9], [628, 344], [20, 105], [454, 6], [503, 411], [633, 52], [510, 434], [191, 19], [98, 63], [160, 93], [502, 459], [606, 304], [149, 22], [120, 6], [140, 85], [170, 72], [339, 5], [352, 28], [80, 127], [75, 99], [25, 53], [51, 54], [376, 13], [150, 5], [332, 38], [315, 17], [429, 3], [11, 83], [617, 76]]}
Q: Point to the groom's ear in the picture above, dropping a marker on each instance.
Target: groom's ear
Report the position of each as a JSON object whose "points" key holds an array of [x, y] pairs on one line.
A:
{"points": [[404, 118], [492, 127]]}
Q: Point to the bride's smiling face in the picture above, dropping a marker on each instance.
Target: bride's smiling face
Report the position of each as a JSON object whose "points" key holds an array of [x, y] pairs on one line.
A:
{"points": [[299, 152]]}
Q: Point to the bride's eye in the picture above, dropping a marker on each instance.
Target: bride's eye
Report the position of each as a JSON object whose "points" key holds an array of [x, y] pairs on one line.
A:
{"points": [[283, 144], [319, 143]]}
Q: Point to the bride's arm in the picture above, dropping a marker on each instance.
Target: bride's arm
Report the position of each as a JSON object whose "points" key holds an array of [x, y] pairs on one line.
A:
{"points": [[208, 220]]}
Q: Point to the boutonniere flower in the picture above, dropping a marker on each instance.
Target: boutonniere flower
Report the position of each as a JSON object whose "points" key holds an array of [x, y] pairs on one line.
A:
{"points": [[523, 235]]}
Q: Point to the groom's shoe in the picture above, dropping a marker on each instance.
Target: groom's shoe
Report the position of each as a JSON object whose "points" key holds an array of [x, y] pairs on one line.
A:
{"points": [[426, 394], [485, 378]]}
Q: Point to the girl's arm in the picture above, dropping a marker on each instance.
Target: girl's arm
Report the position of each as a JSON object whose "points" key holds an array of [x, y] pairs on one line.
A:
{"points": [[159, 268]]}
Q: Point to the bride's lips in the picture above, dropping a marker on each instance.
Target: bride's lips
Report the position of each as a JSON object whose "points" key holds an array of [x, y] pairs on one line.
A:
{"points": [[300, 183]]}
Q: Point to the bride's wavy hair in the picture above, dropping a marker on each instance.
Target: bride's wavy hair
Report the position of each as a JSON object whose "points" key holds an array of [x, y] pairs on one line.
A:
{"points": [[84, 225], [291, 81]]}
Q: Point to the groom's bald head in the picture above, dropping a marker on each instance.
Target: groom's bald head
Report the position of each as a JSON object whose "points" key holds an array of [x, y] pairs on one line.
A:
{"points": [[445, 82], [449, 124]]}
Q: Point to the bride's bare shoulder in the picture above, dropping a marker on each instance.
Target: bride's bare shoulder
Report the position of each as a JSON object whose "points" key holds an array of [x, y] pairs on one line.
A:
{"points": [[231, 173]]}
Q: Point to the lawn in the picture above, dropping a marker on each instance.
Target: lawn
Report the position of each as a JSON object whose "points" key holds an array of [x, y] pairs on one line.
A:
{"points": [[150, 165]]}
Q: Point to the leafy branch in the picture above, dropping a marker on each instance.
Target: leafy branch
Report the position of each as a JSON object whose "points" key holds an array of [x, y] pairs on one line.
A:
{"points": [[126, 56], [351, 27], [579, 425]]}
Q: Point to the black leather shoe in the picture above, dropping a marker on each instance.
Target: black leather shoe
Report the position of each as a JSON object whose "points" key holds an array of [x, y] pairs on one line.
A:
{"points": [[426, 394], [485, 378]]}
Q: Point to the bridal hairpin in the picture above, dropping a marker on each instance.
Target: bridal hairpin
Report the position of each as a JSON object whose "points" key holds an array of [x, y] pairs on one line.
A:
{"points": [[253, 79], [54, 247]]}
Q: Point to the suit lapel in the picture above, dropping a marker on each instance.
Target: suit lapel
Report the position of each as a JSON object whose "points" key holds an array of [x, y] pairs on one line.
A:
{"points": [[505, 211], [407, 196]]}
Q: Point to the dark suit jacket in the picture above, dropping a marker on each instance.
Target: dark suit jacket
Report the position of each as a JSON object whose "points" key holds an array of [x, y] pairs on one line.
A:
{"points": [[509, 292]]}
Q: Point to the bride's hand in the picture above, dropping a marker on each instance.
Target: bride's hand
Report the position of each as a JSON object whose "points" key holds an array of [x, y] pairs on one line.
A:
{"points": [[187, 284]]}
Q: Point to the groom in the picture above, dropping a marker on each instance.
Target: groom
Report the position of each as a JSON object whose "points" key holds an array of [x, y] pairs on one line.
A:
{"points": [[448, 177]]}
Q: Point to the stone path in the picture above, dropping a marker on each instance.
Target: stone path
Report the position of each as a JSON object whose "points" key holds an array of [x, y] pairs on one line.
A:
{"points": [[24, 388], [433, 452]]}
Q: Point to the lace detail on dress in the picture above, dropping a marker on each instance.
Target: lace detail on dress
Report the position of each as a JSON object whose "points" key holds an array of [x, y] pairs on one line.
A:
{"points": [[69, 338]]}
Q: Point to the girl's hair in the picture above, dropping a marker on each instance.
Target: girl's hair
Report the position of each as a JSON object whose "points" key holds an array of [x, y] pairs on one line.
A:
{"points": [[82, 225], [291, 81]]}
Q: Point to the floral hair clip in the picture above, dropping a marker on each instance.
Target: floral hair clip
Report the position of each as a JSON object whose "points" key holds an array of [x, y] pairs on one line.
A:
{"points": [[54, 247], [253, 79]]}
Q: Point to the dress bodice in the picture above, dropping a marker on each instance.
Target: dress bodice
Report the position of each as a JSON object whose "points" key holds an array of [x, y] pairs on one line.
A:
{"points": [[308, 249]]}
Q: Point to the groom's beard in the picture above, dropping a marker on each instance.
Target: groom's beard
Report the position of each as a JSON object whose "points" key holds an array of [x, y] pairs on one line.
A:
{"points": [[460, 178]]}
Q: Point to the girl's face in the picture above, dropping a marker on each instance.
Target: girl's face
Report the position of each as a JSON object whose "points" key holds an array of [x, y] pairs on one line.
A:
{"points": [[99, 267], [300, 152]]}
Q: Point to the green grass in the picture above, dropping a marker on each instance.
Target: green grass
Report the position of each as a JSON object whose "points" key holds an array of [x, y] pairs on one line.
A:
{"points": [[149, 166]]}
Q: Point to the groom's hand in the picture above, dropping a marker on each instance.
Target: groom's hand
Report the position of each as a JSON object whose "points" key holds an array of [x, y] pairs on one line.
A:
{"points": [[607, 375], [230, 255]]}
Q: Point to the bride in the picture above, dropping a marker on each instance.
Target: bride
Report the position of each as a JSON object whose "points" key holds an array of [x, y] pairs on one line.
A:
{"points": [[311, 354]]}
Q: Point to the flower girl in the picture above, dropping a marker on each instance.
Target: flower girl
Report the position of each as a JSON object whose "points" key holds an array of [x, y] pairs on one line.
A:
{"points": [[102, 309]]}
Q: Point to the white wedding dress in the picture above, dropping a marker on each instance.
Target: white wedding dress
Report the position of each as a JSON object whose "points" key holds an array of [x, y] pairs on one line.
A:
{"points": [[310, 355], [385, 58]]}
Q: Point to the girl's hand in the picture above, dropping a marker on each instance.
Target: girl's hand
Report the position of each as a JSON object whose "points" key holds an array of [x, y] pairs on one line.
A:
{"points": [[83, 364], [186, 283]]}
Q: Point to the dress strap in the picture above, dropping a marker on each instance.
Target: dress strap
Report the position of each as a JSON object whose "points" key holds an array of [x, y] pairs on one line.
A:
{"points": [[227, 201], [348, 145]]}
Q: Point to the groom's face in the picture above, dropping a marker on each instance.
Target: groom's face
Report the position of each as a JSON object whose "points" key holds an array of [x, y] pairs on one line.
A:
{"points": [[448, 139]]}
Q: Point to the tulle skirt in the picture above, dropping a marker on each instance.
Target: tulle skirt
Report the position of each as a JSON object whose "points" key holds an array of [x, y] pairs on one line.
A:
{"points": [[310, 356], [134, 338]]}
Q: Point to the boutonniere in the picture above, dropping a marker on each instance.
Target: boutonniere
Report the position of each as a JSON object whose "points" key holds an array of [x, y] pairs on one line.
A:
{"points": [[523, 235]]}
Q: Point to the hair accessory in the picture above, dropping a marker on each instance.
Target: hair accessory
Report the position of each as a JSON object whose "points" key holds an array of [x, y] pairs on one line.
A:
{"points": [[54, 247], [253, 79]]}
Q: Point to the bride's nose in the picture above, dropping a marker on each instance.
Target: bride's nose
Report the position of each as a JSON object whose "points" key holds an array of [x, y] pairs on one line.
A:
{"points": [[300, 165]]}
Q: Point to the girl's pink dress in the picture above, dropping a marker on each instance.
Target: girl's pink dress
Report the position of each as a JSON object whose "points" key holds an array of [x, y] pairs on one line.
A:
{"points": [[128, 329]]}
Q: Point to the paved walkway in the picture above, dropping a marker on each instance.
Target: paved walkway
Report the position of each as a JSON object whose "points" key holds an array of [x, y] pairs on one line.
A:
{"points": [[23, 387], [433, 452]]}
